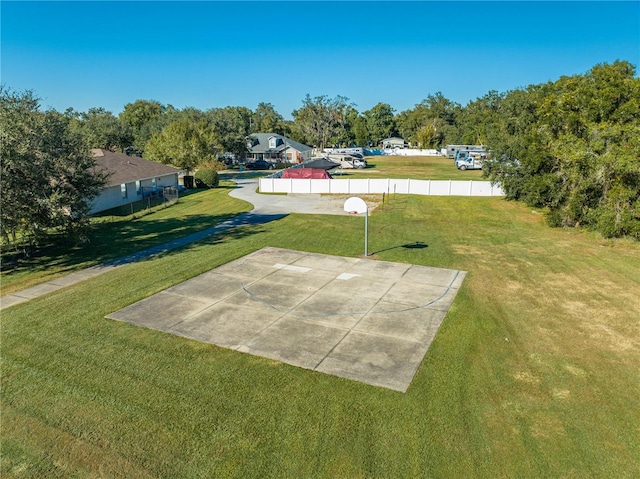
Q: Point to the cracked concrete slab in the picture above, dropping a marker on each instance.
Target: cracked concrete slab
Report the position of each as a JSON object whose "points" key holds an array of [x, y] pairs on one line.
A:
{"points": [[373, 359], [294, 341], [356, 318]]}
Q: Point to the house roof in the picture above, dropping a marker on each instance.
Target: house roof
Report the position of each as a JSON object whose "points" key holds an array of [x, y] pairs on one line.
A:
{"points": [[320, 163], [125, 169], [263, 143], [394, 139]]}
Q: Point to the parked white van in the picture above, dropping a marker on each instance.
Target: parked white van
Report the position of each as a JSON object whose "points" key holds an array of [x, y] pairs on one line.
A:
{"points": [[348, 161]]}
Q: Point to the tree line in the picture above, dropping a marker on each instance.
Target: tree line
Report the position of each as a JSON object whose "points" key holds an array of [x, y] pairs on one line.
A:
{"points": [[570, 146], [187, 137]]}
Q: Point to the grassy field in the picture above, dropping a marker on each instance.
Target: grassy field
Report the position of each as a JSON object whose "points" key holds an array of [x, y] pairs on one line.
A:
{"points": [[116, 236], [413, 167], [534, 372]]}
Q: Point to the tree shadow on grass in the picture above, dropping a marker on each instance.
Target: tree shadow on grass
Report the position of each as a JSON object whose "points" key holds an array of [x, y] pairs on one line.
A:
{"points": [[125, 242], [229, 229]]}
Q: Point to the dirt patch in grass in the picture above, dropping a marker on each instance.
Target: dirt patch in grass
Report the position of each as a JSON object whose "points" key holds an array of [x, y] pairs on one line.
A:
{"points": [[337, 201]]}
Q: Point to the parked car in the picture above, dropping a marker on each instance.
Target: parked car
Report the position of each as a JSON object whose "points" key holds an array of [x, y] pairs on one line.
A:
{"points": [[259, 165]]}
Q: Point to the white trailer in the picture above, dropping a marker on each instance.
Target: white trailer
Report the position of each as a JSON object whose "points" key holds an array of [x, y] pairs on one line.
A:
{"points": [[452, 150]]}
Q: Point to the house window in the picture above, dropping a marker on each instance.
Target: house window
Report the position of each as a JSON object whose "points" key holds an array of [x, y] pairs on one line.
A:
{"points": [[123, 189], [154, 184], [138, 188]]}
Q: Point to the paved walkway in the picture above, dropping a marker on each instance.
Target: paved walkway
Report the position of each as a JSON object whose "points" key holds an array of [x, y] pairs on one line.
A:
{"points": [[266, 208]]}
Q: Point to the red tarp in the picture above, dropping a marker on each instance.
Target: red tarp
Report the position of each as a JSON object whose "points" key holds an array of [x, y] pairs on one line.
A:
{"points": [[314, 173]]}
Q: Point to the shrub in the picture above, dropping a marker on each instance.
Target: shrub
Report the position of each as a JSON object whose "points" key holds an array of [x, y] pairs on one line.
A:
{"points": [[206, 178]]}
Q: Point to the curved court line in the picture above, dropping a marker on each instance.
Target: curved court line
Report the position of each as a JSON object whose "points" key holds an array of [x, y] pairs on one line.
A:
{"points": [[299, 315]]}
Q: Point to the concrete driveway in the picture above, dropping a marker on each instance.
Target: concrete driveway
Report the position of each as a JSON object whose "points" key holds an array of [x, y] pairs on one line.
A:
{"points": [[278, 204]]}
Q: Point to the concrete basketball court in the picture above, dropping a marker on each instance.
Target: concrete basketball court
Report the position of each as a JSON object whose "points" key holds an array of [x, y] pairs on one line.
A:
{"points": [[360, 319]]}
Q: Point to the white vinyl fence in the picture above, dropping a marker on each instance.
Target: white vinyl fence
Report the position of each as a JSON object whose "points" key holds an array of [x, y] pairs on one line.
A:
{"points": [[379, 186]]}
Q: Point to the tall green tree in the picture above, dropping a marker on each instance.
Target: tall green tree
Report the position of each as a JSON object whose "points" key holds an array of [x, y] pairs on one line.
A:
{"points": [[229, 128], [101, 129], [431, 123], [321, 120], [572, 147], [354, 132], [380, 122], [49, 177], [141, 117], [183, 143], [140, 112], [480, 119], [438, 106], [430, 135], [408, 122], [358, 130], [266, 119]]}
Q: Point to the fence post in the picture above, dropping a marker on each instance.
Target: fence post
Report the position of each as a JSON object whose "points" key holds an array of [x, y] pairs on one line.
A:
{"points": [[470, 187], [449, 187]]}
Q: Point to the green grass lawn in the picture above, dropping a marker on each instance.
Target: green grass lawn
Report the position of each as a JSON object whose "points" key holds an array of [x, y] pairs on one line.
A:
{"points": [[412, 167], [115, 236], [534, 372]]}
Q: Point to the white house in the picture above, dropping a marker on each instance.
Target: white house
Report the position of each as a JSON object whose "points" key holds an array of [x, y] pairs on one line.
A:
{"points": [[394, 142], [130, 179]]}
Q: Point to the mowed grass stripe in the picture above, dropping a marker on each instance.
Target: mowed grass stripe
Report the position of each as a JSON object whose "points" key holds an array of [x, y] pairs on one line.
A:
{"points": [[114, 237], [412, 167], [529, 375]]}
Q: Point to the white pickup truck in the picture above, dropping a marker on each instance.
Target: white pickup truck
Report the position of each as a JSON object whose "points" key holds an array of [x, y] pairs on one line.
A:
{"points": [[471, 161], [469, 164]]}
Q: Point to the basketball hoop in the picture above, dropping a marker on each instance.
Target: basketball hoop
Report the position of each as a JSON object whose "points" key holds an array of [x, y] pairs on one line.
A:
{"points": [[355, 206]]}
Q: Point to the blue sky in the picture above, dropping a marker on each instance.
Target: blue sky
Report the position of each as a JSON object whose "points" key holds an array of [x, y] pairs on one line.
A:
{"points": [[216, 54]]}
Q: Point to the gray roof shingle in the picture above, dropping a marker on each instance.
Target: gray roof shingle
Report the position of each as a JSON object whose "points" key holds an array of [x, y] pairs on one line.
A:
{"points": [[263, 143], [125, 169]]}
